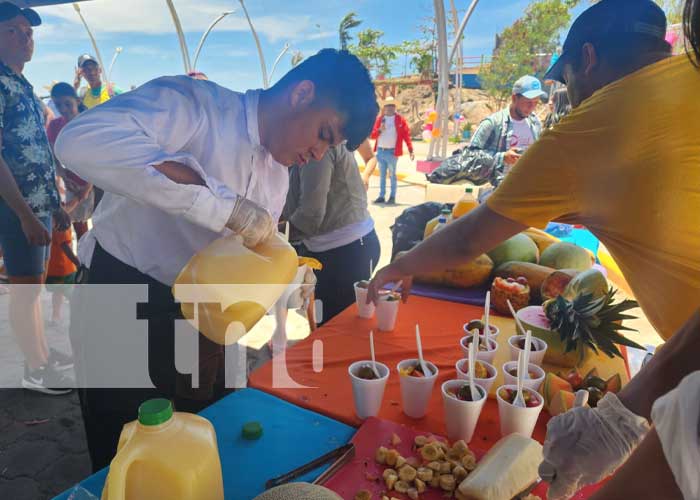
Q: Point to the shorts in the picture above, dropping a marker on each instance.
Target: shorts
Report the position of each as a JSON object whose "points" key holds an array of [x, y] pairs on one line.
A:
{"points": [[21, 258], [61, 284]]}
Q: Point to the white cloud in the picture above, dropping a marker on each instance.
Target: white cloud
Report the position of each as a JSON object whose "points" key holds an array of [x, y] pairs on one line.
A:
{"points": [[146, 50], [55, 57], [320, 35], [117, 16], [235, 52]]}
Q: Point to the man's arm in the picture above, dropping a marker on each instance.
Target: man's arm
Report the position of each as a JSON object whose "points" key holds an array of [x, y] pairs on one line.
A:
{"points": [[133, 147], [645, 475], [375, 129], [367, 155], [68, 250], [407, 136], [314, 185], [461, 241]]}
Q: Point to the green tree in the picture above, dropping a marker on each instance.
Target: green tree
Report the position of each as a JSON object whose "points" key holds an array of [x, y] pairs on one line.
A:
{"points": [[374, 54], [523, 47], [348, 22], [297, 57]]}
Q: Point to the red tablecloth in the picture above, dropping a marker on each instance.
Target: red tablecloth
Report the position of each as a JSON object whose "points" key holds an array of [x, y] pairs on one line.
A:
{"points": [[345, 340]]}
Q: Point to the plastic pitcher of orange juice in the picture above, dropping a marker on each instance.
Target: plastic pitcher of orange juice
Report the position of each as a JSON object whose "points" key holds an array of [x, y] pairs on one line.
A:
{"points": [[437, 223], [165, 455], [466, 203]]}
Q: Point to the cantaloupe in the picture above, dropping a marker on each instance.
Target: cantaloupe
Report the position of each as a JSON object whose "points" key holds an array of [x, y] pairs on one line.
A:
{"points": [[551, 387], [298, 491], [562, 402]]}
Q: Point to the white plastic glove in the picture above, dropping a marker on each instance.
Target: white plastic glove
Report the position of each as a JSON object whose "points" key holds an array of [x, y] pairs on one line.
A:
{"points": [[251, 221], [585, 445]]}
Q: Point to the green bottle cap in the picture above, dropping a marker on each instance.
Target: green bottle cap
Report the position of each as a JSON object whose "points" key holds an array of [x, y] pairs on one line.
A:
{"points": [[252, 430], [445, 211], [469, 190], [155, 411]]}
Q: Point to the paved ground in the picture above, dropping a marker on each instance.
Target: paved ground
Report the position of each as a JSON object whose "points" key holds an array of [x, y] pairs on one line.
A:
{"points": [[42, 442]]}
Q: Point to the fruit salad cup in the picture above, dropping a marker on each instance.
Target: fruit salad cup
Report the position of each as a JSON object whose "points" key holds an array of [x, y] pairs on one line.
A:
{"points": [[533, 381], [416, 387], [485, 353], [461, 412], [538, 348], [367, 389], [364, 310], [485, 373], [515, 419], [387, 310], [468, 327]]}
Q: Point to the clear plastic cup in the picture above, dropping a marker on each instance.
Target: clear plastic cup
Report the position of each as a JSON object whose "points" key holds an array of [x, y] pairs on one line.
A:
{"points": [[494, 330], [462, 368], [387, 311], [536, 355], [518, 420], [368, 394], [487, 356], [416, 391], [364, 310], [461, 417], [530, 383]]}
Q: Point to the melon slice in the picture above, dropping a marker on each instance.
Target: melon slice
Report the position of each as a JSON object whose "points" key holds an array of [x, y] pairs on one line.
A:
{"points": [[614, 384], [561, 403], [552, 386], [592, 373]]}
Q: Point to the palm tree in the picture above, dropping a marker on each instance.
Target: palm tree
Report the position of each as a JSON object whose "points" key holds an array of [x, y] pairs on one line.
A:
{"points": [[346, 24], [297, 57]]}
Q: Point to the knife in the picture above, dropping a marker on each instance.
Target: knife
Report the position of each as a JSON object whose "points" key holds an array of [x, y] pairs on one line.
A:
{"points": [[341, 456]]}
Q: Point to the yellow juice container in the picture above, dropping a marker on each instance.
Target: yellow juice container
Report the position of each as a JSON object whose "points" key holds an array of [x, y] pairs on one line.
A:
{"points": [[466, 203], [165, 455], [437, 222]]}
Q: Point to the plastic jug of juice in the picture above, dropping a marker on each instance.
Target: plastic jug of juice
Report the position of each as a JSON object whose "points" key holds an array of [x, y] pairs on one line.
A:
{"points": [[232, 287], [438, 222], [165, 455], [465, 204]]}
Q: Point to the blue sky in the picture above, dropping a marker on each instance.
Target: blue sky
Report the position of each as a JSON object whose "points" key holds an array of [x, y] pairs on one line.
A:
{"points": [[150, 47]]}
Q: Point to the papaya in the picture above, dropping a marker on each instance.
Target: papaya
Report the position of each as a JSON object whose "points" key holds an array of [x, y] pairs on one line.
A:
{"points": [[562, 402], [591, 281], [471, 274], [534, 273], [542, 240], [555, 284], [551, 387], [613, 384]]}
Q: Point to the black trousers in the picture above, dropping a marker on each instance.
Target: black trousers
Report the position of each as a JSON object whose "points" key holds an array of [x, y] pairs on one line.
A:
{"points": [[105, 411], [342, 267]]}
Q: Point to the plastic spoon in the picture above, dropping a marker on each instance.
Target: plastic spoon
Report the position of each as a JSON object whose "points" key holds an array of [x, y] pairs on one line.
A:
{"points": [[515, 316], [475, 339], [528, 346], [472, 367], [487, 328], [519, 398], [423, 365], [371, 350]]}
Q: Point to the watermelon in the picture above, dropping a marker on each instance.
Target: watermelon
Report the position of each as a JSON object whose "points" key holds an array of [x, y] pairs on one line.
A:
{"points": [[562, 402], [555, 284], [552, 385], [534, 319]]}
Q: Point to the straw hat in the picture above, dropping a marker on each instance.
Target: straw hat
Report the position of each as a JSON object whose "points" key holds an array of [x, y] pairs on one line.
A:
{"points": [[390, 101]]}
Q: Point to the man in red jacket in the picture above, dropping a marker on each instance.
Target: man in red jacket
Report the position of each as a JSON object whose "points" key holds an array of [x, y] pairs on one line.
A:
{"points": [[390, 131]]}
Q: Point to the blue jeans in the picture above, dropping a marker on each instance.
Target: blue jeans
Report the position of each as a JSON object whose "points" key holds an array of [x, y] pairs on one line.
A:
{"points": [[387, 161]]}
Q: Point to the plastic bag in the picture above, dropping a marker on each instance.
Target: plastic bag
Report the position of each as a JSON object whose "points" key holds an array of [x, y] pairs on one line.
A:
{"points": [[408, 228], [470, 165]]}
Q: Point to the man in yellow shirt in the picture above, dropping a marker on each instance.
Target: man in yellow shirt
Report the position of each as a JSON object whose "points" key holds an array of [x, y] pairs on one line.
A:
{"points": [[625, 163], [96, 92]]}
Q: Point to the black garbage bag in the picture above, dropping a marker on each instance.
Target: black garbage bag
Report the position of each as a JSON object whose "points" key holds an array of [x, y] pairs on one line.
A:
{"points": [[471, 165], [408, 227]]}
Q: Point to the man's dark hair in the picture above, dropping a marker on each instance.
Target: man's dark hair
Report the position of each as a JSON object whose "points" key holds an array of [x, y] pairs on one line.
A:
{"points": [[343, 83], [691, 29], [626, 53], [63, 89]]}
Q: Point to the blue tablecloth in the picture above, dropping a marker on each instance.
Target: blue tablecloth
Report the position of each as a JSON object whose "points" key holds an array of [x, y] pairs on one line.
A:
{"points": [[292, 436]]}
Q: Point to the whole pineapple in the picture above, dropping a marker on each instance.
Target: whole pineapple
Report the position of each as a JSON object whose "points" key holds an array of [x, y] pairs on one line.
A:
{"points": [[587, 322]]}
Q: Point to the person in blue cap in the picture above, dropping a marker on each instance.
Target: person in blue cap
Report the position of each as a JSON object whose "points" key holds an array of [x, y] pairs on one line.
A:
{"points": [[507, 134]]}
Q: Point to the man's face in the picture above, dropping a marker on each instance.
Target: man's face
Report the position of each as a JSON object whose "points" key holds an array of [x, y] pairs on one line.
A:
{"points": [[67, 106], [91, 72], [389, 110], [524, 107], [578, 85], [16, 40], [307, 136]]}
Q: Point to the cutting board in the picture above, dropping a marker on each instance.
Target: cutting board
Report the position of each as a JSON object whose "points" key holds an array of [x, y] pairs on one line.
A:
{"points": [[359, 473]]}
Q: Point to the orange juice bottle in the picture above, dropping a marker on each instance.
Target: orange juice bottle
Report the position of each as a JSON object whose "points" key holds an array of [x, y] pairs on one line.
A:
{"points": [[465, 204], [165, 455], [437, 222]]}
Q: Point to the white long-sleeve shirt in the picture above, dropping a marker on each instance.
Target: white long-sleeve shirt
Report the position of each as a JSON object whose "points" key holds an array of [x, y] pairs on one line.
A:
{"points": [[146, 220]]}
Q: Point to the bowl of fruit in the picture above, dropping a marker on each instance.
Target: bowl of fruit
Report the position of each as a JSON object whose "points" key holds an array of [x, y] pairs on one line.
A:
{"points": [[534, 379], [476, 324], [486, 351], [518, 419], [515, 290], [538, 348], [484, 373]]}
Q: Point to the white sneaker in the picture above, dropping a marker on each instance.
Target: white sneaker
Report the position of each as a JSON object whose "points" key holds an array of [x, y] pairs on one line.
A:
{"points": [[47, 381]]}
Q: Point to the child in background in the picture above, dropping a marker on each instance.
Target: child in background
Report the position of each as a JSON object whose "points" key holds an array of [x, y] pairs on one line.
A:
{"points": [[63, 265]]}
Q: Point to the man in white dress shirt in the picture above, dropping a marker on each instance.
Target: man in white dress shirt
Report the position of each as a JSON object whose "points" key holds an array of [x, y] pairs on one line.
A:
{"points": [[182, 162]]}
